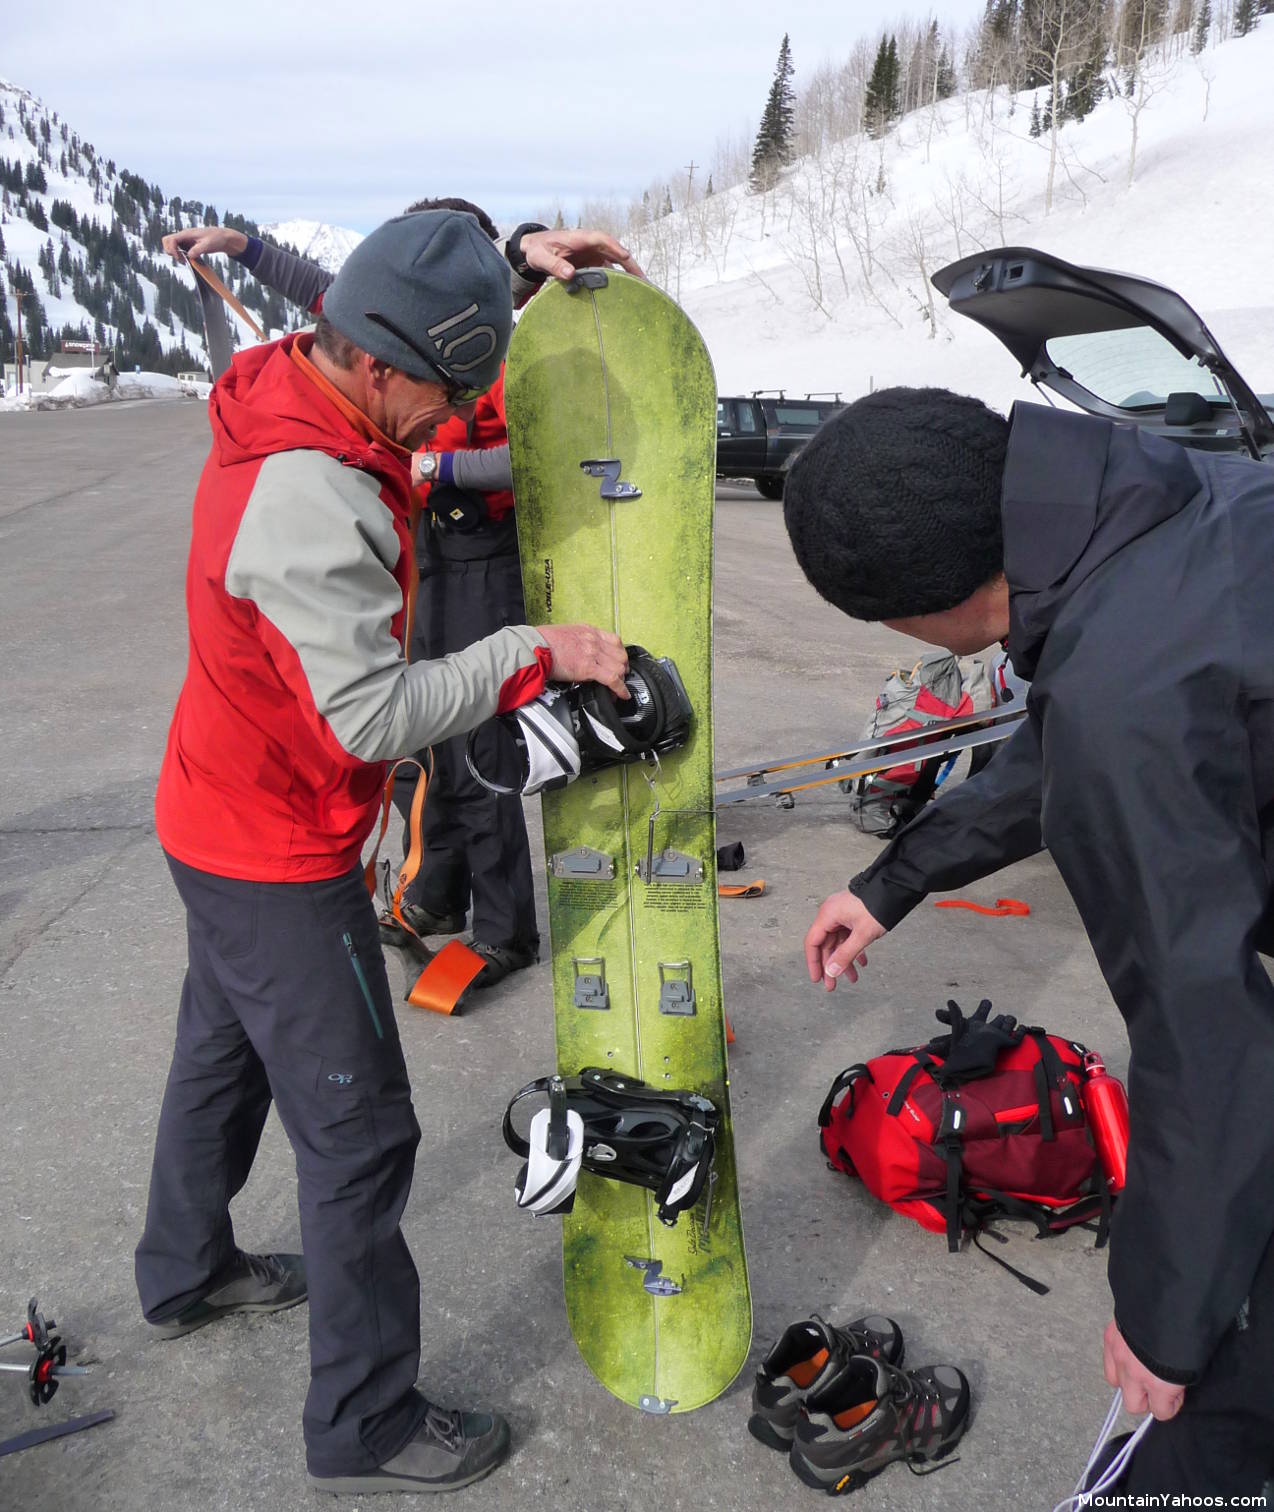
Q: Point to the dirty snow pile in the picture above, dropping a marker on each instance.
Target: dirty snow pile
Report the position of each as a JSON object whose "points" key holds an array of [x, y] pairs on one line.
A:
{"points": [[80, 388]]}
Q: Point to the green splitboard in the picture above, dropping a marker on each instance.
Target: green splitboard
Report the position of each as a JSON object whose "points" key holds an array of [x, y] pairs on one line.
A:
{"points": [[617, 371]]}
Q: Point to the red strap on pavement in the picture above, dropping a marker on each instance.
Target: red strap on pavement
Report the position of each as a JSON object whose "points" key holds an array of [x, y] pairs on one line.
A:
{"points": [[1005, 908]]}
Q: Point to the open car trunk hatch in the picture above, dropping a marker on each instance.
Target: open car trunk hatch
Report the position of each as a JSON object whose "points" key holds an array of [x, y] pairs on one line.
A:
{"points": [[1112, 344]]}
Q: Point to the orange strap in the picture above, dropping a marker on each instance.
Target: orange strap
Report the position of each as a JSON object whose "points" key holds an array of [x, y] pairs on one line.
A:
{"points": [[1004, 907], [741, 889], [442, 983], [214, 283]]}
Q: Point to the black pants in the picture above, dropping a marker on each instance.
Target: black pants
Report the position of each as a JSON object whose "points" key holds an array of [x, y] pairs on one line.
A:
{"points": [[1221, 1443], [475, 840], [274, 1008]]}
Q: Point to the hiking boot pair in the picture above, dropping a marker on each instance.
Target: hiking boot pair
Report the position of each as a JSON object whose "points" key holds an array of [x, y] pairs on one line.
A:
{"points": [[839, 1403], [448, 1450]]}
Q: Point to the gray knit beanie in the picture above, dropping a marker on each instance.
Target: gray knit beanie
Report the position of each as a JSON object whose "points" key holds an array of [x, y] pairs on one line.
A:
{"points": [[428, 293], [893, 508]]}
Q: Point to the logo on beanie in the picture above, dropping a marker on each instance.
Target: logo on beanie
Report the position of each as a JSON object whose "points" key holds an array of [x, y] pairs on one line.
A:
{"points": [[484, 335]]}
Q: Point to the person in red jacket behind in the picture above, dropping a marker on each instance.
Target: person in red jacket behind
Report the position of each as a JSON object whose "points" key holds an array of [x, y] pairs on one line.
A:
{"points": [[475, 841], [297, 694]]}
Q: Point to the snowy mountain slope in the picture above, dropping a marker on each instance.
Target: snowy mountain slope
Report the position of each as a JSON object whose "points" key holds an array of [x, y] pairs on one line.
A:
{"points": [[326, 245], [762, 278], [83, 237]]}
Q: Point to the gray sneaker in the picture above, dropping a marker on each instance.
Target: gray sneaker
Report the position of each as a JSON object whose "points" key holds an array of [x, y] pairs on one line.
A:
{"points": [[249, 1284], [449, 1450]]}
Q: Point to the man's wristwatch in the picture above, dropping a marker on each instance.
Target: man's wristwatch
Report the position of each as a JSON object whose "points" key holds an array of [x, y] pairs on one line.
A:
{"points": [[427, 466], [513, 253]]}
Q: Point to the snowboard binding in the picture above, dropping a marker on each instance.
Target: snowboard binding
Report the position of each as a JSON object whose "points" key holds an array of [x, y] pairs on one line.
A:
{"points": [[578, 728], [618, 1127]]}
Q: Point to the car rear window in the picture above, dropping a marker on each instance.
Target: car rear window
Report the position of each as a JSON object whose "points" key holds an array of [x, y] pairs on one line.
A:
{"points": [[790, 414]]}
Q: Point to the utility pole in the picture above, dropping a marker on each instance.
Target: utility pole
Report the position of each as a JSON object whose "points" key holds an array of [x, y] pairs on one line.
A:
{"points": [[690, 180], [17, 331]]}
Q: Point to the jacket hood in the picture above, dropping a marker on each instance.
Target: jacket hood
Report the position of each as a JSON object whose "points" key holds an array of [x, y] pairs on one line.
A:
{"points": [[264, 403], [1076, 491]]}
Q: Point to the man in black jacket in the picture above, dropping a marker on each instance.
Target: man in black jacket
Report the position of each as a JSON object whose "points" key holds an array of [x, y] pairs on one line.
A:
{"points": [[1133, 580]]}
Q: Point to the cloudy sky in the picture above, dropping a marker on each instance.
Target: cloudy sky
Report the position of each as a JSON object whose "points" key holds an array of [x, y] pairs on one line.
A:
{"points": [[279, 108]]}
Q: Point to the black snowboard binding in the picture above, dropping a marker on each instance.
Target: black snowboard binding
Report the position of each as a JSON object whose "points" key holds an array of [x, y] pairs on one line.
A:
{"points": [[618, 1127], [577, 728]]}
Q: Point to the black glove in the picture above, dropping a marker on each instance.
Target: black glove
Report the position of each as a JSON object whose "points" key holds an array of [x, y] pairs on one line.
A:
{"points": [[974, 1044]]}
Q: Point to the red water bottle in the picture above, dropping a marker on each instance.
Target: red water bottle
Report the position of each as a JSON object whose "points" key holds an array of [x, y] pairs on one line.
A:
{"points": [[1106, 1105]]}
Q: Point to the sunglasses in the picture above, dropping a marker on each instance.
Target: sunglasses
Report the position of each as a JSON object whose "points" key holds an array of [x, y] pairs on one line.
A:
{"points": [[456, 392]]}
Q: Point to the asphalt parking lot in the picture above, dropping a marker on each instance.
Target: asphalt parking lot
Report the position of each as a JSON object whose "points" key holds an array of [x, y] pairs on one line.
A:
{"points": [[94, 511]]}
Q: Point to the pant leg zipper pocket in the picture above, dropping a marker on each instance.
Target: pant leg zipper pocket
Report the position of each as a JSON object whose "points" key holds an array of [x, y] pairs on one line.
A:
{"points": [[362, 982]]}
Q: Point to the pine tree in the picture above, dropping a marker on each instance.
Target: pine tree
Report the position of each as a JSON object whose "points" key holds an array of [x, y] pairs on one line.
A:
{"points": [[707, 193], [881, 103], [1036, 124], [1202, 28], [774, 139], [1246, 15], [666, 207]]}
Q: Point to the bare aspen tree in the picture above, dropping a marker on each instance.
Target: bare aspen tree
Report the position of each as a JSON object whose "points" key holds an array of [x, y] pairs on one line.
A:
{"points": [[1140, 56], [1055, 36]]}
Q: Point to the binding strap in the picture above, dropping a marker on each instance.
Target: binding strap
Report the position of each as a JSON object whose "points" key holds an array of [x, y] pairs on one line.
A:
{"points": [[441, 986], [741, 889]]}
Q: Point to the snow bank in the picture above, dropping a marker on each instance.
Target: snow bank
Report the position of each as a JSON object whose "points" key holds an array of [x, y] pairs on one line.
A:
{"points": [[80, 389]]}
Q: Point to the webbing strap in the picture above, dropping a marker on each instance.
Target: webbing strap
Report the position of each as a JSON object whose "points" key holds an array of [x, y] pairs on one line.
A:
{"points": [[951, 1149], [741, 889], [215, 284], [846, 1078], [442, 983], [922, 1063], [1042, 1089]]}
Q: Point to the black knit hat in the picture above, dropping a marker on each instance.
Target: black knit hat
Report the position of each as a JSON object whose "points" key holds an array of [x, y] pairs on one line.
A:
{"points": [[893, 507]]}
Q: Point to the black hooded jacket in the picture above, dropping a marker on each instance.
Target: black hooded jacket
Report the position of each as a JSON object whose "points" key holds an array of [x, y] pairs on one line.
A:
{"points": [[1141, 579]]}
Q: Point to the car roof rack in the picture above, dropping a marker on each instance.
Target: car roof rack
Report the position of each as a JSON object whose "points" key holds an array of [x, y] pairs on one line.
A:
{"points": [[781, 393], [825, 394]]}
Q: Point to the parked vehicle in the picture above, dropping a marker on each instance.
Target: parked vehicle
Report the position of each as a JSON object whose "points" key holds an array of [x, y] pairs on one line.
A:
{"points": [[759, 435]]}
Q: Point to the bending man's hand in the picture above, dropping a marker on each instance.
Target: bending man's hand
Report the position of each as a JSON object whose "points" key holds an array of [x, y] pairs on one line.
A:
{"points": [[838, 938], [583, 653], [198, 241], [562, 252], [1143, 1390]]}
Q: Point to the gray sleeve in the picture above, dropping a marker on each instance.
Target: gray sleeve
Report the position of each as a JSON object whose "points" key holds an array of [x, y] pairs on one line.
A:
{"points": [[487, 470], [294, 277], [314, 554], [523, 288]]}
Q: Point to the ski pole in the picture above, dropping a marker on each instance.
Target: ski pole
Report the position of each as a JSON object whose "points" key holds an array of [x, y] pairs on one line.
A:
{"points": [[57, 1370]]}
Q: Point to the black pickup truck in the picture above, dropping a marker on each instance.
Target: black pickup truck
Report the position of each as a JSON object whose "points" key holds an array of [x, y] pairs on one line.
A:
{"points": [[758, 436]]}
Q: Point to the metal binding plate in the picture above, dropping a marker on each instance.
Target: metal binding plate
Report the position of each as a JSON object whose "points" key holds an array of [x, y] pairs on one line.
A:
{"points": [[670, 866], [676, 992], [591, 990], [583, 864]]}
